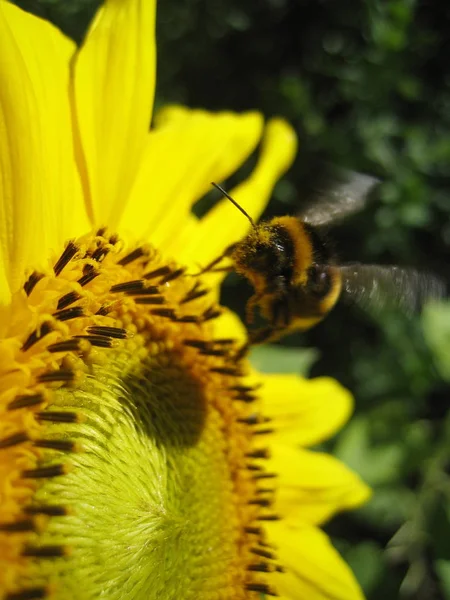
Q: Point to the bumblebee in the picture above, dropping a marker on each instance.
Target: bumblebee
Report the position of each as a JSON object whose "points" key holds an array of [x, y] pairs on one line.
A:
{"points": [[296, 277]]}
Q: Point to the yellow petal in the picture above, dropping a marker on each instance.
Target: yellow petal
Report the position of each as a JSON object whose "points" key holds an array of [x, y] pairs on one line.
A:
{"points": [[305, 412], [314, 569], [224, 224], [228, 325], [114, 89], [40, 195], [187, 150], [313, 486]]}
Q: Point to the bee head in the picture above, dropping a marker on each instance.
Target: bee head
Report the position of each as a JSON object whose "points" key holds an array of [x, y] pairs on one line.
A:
{"points": [[265, 257]]}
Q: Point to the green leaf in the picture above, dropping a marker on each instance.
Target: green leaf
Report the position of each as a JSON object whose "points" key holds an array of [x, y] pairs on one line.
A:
{"points": [[442, 568], [277, 359], [377, 464], [388, 508], [366, 561], [436, 325], [438, 521]]}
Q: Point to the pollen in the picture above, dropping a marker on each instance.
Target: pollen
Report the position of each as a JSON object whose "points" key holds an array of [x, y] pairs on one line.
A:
{"points": [[132, 447]]}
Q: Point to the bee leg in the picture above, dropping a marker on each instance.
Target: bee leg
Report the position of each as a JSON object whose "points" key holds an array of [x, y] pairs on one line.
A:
{"points": [[260, 336], [281, 314], [242, 352], [221, 269], [255, 337], [216, 261], [252, 303]]}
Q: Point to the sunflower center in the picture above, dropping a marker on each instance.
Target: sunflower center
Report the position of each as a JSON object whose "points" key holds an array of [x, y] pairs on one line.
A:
{"points": [[129, 464]]}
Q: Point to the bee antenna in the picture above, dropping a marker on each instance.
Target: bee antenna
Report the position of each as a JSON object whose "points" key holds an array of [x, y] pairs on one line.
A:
{"points": [[233, 201]]}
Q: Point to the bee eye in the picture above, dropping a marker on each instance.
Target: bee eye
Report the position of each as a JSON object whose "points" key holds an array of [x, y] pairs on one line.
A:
{"points": [[319, 280]]}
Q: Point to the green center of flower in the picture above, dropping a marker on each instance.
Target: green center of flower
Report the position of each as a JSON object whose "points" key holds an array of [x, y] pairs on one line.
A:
{"points": [[130, 466]]}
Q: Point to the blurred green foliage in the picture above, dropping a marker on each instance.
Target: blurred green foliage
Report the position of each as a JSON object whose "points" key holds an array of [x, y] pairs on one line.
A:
{"points": [[436, 321], [366, 83]]}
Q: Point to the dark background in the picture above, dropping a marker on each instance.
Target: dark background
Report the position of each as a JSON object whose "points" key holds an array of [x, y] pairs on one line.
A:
{"points": [[367, 86]]}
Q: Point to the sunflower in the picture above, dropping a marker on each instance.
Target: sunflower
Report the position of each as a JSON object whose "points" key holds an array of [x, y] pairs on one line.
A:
{"points": [[140, 456]]}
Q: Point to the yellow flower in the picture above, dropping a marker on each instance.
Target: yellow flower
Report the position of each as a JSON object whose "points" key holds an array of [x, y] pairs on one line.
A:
{"points": [[138, 456]]}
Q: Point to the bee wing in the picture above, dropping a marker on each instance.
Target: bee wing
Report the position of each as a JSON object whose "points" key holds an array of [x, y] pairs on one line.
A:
{"points": [[377, 288], [345, 195]]}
